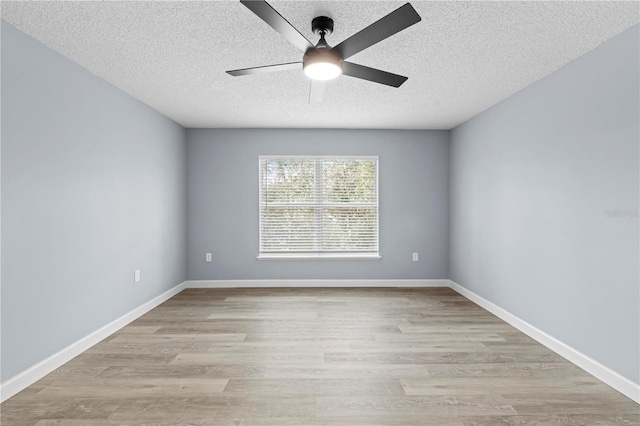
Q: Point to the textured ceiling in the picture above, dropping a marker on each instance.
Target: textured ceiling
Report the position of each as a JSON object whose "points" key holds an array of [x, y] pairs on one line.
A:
{"points": [[462, 58]]}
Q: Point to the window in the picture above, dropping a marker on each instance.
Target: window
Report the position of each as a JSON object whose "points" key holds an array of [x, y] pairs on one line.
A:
{"points": [[318, 206]]}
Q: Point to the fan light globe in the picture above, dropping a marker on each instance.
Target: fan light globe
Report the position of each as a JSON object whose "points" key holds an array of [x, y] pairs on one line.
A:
{"points": [[322, 71], [322, 64]]}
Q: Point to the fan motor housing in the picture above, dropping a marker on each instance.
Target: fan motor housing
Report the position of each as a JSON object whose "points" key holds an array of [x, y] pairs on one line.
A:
{"points": [[314, 55]]}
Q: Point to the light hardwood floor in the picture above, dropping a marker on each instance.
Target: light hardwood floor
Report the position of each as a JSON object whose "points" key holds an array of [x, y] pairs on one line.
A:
{"points": [[319, 357]]}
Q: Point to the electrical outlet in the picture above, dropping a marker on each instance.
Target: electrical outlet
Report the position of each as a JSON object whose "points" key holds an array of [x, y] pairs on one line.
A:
{"points": [[208, 257], [136, 276], [415, 257]]}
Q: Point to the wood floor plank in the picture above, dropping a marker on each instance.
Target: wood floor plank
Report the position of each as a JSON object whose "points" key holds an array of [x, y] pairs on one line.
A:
{"points": [[442, 337], [138, 329], [180, 338], [213, 408], [316, 387], [112, 388], [352, 371], [440, 357], [305, 336], [263, 359], [554, 420], [498, 385], [251, 314], [319, 356], [416, 347], [459, 405], [570, 402], [89, 359], [77, 422], [30, 409], [175, 371]]}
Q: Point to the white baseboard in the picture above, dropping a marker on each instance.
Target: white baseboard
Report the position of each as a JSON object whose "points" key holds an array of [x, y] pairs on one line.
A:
{"points": [[315, 283], [591, 366], [20, 381]]}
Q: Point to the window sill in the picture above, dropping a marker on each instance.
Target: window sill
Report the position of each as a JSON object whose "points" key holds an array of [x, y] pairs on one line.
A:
{"points": [[312, 256]]}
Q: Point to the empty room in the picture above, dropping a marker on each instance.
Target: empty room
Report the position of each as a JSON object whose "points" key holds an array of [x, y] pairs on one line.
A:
{"points": [[320, 213]]}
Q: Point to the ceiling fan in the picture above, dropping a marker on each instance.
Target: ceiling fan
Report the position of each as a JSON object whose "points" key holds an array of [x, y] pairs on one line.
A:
{"points": [[323, 62]]}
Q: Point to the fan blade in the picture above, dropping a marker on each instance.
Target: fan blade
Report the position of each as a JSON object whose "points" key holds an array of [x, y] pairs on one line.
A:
{"points": [[269, 15], [316, 94], [396, 21], [266, 69], [372, 74]]}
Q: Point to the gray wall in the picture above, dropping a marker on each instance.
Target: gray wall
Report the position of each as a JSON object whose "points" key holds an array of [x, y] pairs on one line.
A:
{"points": [[93, 187], [532, 180], [223, 202]]}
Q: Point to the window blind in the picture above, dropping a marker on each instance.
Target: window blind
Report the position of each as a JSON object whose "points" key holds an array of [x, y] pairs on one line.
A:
{"points": [[313, 205]]}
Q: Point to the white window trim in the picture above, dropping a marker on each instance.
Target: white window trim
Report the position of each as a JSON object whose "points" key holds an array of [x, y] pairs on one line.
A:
{"points": [[319, 255], [303, 256]]}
